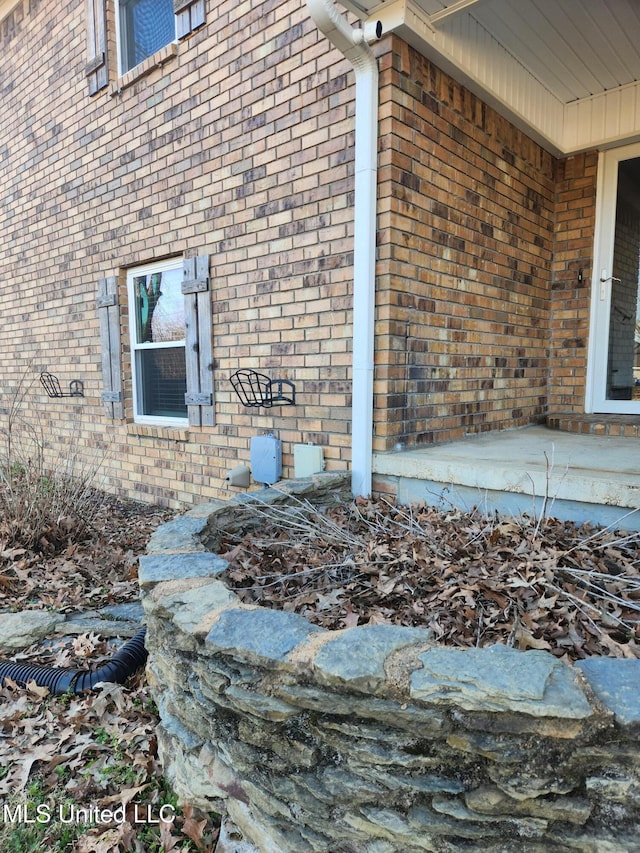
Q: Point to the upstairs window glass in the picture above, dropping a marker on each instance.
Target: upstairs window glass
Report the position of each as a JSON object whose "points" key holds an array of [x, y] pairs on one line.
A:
{"points": [[145, 27]]}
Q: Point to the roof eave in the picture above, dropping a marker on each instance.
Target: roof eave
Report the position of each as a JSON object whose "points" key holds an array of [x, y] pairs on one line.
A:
{"points": [[603, 120]]}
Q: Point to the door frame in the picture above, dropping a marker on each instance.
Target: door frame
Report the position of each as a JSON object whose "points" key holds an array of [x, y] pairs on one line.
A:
{"points": [[604, 234]]}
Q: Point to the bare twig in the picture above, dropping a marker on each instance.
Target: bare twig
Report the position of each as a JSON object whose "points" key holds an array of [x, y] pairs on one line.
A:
{"points": [[459, 571]]}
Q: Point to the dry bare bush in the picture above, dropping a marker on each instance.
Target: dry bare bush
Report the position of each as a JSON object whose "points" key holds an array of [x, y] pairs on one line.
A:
{"points": [[47, 497]]}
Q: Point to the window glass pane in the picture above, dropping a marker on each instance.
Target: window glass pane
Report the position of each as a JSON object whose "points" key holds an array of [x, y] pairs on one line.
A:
{"points": [[623, 369], [147, 25], [159, 307], [162, 382]]}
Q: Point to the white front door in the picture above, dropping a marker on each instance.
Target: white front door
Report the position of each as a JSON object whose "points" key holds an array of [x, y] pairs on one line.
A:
{"points": [[614, 345]]}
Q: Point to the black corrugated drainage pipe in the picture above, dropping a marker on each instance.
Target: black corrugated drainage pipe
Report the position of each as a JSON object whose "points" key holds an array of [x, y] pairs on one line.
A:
{"points": [[127, 660]]}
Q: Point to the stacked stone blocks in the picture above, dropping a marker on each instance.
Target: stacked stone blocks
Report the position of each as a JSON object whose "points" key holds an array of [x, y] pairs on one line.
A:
{"points": [[375, 739]]}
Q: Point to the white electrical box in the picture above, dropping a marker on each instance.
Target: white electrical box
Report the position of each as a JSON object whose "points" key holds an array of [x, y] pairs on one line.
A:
{"points": [[266, 459], [307, 459]]}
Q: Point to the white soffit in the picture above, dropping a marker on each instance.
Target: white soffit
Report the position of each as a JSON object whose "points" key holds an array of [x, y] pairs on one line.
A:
{"points": [[565, 71]]}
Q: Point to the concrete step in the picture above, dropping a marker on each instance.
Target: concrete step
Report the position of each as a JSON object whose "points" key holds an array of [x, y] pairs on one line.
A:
{"points": [[579, 477]]}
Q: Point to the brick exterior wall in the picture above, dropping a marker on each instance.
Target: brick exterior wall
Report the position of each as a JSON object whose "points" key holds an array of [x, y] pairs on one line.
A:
{"points": [[575, 212], [239, 146], [238, 143], [467, 230]]}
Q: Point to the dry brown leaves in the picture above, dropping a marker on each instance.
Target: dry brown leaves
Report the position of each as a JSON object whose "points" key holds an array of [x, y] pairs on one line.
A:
{"points": [[87, 765], [95, 751], [470, 580], [97, 570]]}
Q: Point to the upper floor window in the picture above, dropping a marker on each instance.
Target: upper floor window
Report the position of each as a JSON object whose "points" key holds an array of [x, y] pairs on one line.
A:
{"points": [[145, 27]]}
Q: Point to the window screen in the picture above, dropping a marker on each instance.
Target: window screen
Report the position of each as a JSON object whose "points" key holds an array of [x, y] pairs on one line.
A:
{"points": [[145, 27], [162, 382]]}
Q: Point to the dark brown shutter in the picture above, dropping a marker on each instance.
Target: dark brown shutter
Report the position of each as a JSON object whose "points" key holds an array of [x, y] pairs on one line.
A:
{"points": [[96, 68], [109, 316], [190, 14], [198, 341]]}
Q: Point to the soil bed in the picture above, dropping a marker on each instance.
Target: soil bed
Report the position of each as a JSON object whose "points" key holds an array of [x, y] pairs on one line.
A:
{"points": [[472, 580]]}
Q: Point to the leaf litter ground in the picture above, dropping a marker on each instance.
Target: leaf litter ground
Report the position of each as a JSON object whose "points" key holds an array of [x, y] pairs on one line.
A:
{"points": [[469, 579], [97, 751]]}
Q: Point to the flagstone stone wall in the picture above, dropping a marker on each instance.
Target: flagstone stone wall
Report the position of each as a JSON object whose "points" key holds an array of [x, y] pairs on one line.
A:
{"points": [[375, 739]]}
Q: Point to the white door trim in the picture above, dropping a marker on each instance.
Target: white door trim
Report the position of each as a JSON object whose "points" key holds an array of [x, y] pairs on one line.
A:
{"points": [[606, 199]]}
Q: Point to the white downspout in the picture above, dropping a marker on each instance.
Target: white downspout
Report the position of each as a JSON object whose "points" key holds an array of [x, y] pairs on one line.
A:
{"points": [[351, 43]]}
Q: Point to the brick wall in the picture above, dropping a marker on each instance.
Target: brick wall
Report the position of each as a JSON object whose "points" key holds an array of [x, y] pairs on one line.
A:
{"points": [[239, 146], [571, 292], [466, 221]]}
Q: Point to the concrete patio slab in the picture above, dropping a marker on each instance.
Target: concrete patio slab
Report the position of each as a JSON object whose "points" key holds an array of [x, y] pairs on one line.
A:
{"points": [[583, 478]]}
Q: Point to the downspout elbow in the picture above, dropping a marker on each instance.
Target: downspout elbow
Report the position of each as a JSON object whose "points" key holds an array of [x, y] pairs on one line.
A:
{"points": [[349, 41]]}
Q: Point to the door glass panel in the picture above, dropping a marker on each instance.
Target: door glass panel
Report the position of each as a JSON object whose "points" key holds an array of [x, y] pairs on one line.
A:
{"points": [[623, 366]]}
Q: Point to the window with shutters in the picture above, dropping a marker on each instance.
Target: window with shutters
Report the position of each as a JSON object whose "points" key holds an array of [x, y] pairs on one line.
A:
{"points": [[143, 27], [157, 334], [170, 332]]}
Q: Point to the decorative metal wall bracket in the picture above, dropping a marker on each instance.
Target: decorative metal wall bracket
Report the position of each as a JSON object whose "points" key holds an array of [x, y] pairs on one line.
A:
{"points": [[257, 389], [51, 385]]}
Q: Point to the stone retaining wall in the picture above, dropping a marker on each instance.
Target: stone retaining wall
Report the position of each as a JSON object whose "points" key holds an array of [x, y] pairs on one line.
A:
{"points": [[374, 739]]}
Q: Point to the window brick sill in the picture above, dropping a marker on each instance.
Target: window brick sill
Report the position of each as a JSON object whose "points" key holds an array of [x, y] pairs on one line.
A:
{"points": [[166, 433], [157, 60]]}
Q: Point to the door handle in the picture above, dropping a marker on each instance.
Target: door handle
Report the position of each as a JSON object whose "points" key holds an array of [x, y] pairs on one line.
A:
{"points": [[604, 278]]}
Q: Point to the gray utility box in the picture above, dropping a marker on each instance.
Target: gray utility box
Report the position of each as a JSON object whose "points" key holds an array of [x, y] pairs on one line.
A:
{"points": [[266, 459]]}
